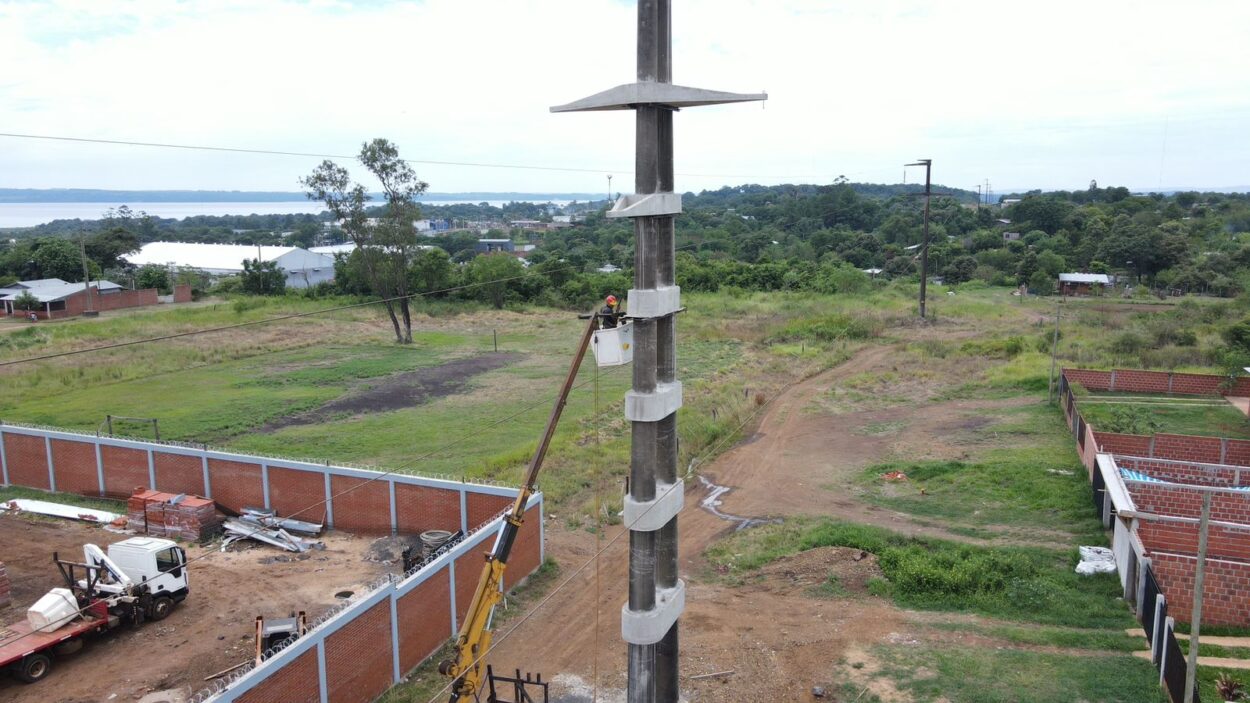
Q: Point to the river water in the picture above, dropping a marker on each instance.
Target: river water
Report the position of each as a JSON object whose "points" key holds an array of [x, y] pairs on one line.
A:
{"points": [[32, 214]]}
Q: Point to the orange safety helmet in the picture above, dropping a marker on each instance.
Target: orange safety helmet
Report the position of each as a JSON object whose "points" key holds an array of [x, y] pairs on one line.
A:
{"points": [[611, 300]]}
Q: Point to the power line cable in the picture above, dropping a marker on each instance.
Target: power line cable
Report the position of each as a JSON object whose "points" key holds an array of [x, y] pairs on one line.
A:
{"points": [[427, 162]]}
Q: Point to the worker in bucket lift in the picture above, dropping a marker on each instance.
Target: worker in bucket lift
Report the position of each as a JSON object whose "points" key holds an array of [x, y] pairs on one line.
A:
{"points": [[610, 313]]}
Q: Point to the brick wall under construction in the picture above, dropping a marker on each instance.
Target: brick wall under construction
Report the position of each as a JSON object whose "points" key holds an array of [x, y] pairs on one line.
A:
{"points": [[358, 654], [365, 649], [358, 500]]}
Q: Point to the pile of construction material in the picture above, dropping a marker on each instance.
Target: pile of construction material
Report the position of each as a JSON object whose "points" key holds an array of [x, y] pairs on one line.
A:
{"points": [[179, 515], [6, 593], [264, 525]]}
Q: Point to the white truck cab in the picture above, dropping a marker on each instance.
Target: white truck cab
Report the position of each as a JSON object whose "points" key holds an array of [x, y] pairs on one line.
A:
{"points": [[156, 566]]}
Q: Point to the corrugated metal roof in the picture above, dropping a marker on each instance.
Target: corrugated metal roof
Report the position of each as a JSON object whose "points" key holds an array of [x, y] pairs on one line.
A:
{"points": [[207, 257], [50, 293], [1085, 278]]}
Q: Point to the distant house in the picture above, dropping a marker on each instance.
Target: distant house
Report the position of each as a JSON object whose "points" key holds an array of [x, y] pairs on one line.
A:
{"points": [[1083, 283], [486, 246], [58, 299], [608, 268], [1008, 202], [1011, 236], [303, 268]]}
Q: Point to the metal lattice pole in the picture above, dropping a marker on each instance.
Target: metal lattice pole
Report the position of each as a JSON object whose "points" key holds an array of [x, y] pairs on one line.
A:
{"points": [[656, 595]]}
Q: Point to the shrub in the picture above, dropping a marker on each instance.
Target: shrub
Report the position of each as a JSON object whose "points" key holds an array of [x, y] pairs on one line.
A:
{"points": [[829, 328], [1132, 419], [1128, 343], [1238, 334]]}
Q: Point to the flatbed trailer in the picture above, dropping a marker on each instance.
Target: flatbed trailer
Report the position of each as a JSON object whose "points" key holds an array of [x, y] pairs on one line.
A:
{"points": [[28, 653]]}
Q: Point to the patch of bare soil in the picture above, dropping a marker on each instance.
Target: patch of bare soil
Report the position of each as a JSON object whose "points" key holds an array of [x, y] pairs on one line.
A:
{"points": [[852, 569], [209, 631], [403, 390]]}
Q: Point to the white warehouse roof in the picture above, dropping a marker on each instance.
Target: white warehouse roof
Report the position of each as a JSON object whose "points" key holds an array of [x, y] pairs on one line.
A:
{"points": [[225, 258], [1085, 278]]}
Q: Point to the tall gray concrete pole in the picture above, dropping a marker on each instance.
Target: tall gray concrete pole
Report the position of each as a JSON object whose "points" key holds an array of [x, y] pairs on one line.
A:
{"points": [[649, 620], [1195, 620]]}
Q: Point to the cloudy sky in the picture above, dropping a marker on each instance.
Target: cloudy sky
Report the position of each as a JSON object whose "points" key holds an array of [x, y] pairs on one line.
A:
{"points": [[1026, 94]]}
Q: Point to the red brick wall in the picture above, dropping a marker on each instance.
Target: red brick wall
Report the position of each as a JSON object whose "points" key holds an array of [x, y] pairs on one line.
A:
{"points": [[527, 552], [27, 459], [358, 657], [1180, 472], [424, 620], [1237, 452], [1179, 538], [125, 470], [75, 467], [76, 304], [296, 682], [1127, 444], [1134, 381], [182, 293], [236, 484], [361, 505], [1224, 599], [468, 572], [1196, 384], [298, 494], [482, 507], [420, 508], [1185, 502], [179, 473], [1187, 448], [1092, 380]]}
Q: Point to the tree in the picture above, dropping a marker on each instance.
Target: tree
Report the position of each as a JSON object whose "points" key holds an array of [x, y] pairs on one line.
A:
{"points": [[58, 258], [960, 270], [152, 276], [305, 235], [385, 245], [495, 275], [431, 270], [107, 248], [26, 301], [1041, 282], [262, 277]]}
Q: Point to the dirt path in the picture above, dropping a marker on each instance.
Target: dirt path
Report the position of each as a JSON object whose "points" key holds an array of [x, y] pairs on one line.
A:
{"points": [[800, 460], [211, 630]]}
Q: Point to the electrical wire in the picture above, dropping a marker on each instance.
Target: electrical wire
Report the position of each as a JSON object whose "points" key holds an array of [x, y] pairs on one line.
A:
{"points": [[427, 162]]}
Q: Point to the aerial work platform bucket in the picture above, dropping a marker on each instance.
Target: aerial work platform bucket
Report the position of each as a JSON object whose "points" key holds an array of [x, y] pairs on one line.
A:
{"points": [[614, 346]]}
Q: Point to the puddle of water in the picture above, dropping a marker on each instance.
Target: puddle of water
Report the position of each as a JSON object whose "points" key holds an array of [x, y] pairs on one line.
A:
{"points": [[712, 502]]}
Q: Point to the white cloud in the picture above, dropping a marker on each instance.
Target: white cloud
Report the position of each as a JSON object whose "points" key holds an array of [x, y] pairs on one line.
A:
{"points": [[1025, 94]]}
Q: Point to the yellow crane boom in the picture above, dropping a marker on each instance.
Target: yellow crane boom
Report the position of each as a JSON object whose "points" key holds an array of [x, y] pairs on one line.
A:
{"points": [[467, 665]]}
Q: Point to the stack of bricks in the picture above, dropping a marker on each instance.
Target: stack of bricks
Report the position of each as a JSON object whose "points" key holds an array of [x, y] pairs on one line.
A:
{"points": [[6, 592], [169, 515]]}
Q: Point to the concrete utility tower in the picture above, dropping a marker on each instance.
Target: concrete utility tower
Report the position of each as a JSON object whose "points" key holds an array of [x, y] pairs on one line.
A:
{"points": [[656, 596]]}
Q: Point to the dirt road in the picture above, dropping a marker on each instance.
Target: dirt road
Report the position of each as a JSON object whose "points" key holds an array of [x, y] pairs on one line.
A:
{"points": [[211, 630]]}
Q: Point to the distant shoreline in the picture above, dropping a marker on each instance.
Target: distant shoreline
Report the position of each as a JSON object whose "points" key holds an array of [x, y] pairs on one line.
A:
{"points": [[87, 195]]}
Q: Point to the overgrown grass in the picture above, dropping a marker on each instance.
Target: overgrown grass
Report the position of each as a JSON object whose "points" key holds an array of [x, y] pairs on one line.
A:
{"points": [[1015, 583], [1067, 638], [980, 675], [1180, 416]]}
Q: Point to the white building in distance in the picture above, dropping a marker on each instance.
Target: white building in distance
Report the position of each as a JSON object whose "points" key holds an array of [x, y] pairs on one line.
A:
{"points": [[303, 268]]}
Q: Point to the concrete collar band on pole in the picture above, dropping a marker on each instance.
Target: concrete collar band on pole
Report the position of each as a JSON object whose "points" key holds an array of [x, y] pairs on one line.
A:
{"points": [[656, 595]]}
